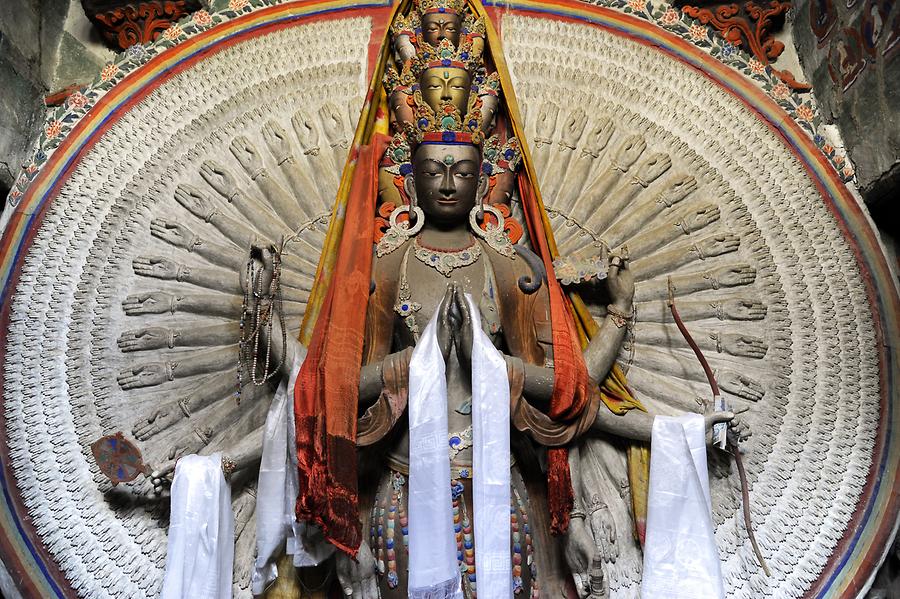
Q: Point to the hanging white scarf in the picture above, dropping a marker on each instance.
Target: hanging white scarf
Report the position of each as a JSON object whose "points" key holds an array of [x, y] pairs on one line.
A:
{"points": [[276, 525], [490, 462], [681, 560], [200, 553], [433, 568]]}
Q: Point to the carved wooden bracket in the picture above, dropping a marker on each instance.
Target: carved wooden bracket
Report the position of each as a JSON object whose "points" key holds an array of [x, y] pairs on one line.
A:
{"points": [[124, 23], [751, 26]]}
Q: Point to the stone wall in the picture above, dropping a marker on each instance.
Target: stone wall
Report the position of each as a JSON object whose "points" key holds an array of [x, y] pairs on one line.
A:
{"points": [[850, 52], [45, 46]]}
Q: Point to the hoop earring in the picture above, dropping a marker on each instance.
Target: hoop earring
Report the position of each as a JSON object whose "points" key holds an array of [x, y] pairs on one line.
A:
{"points": [[494, 235], [398, 232]]}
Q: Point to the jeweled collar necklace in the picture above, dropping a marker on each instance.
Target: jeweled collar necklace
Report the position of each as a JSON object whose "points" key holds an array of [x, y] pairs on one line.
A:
{"points": [[446, 261]]}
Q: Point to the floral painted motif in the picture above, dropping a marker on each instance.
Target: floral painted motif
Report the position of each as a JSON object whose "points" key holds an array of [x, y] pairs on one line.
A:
{"points": [[756, 67], [173, 33], [237, 4], [136, 52], [669, 17], [77, 100], [780, 91], [109, 72], [638, 5], [697, 32], [53, 129], [805, 113], [201, 18]]}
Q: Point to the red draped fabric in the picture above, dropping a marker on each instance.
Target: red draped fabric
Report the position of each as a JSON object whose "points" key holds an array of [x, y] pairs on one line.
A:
{"points": [[326, 393]]}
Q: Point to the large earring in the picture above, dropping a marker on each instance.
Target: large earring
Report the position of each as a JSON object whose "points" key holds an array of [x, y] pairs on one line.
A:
{"points": [[494, 235], [398, 232]]}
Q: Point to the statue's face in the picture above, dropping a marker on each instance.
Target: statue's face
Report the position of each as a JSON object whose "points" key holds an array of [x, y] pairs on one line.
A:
{"points": [[446, 182], [440, 25], [401, 111], [446, 83]]}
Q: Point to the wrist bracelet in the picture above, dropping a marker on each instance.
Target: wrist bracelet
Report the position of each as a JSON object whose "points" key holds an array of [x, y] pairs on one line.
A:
{"points": [[619, 318]]}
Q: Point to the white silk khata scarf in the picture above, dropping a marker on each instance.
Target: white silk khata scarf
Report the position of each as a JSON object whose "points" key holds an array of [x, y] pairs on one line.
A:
{"points": [[433, 568], [200, 554], [681, 560], [276, 525]]}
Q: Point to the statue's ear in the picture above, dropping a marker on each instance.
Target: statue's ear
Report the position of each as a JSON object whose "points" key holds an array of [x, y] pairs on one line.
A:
{"points": [[483, 184], [409, 186]]}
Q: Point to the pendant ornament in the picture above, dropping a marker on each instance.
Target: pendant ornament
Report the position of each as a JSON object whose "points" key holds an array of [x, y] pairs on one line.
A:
{"points": [[399, 232], [493, 234], [445, 262]]}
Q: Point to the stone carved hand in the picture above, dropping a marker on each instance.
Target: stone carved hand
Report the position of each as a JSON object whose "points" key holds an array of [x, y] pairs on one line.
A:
{"points": [[546, 121], [173, 233], [653, 167], [603, 527], [143, 339], [154, 302], [157, 267], [743, 345], [143, 375], [717, 245], [599, 135], [678, 190], [247, 154], [444, 325], [357, 578], [698, 218], [733, 276], [711, 418], [585, 561], [306, 132], [573, 127], [620, 283], [161, 477], [219, 178], [277, 141], [629, 151], [744, 309], [738, 429], [334, 123], [740, 385], [195, 201], [161, 419], [465, 331]]}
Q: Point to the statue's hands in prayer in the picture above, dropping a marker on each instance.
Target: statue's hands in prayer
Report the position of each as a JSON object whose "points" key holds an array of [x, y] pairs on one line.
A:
{"points": [[444, 324], [465, 332], [620, 281], [357, 577]]}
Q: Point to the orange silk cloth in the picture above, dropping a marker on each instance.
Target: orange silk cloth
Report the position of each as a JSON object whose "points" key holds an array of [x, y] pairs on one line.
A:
{"points": [[326, 394]]}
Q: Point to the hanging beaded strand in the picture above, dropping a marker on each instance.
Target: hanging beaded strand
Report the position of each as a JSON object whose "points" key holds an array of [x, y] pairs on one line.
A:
{"points": [[264, 302]]}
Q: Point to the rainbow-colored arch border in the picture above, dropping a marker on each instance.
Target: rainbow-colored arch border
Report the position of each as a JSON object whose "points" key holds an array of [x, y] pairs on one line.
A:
{"points": [[863, 547]]}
